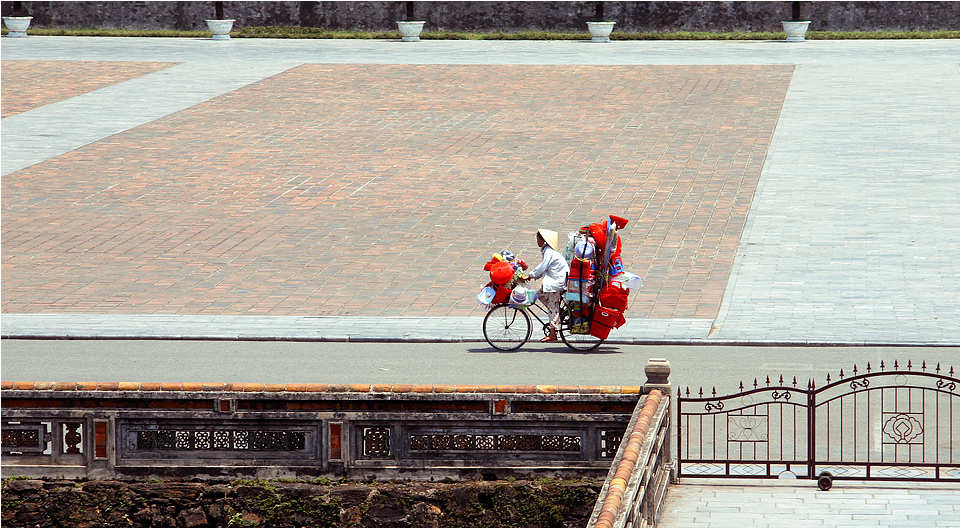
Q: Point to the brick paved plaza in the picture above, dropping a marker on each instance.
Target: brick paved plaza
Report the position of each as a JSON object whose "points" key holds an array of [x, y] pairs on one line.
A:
{"points": [[380, 190], [778, 193]]}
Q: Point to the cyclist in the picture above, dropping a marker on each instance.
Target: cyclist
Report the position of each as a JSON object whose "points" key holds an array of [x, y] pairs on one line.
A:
{"points": [[554, 269]]}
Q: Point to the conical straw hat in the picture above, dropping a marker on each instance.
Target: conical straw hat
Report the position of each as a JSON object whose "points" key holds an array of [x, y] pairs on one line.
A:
{"points": [[550, 237]]}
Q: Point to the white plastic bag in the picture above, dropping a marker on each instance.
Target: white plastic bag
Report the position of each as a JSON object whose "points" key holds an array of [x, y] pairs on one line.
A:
{"points": [[569, 248], [486, 296], [632, 280]]}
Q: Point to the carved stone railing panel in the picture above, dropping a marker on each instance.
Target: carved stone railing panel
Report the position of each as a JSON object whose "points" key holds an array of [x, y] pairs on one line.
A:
{"points": [[24, 437], [440, 434]]}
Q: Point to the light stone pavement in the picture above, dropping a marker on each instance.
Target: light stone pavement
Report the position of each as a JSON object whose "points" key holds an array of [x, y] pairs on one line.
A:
{"points": [[853, 233], [744, 503]]}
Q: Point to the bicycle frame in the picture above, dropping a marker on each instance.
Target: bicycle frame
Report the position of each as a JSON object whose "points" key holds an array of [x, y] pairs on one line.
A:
{"points": [[545, 324], [502, 332], [544, 311]]}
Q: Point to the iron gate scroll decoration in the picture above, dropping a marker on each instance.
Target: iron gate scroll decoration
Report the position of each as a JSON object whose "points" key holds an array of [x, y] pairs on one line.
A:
{"points": [[898, 424]]}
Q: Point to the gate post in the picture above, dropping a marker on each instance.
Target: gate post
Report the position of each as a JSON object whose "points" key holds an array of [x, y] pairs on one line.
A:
{"points": [[657, 371], [811, 428]]}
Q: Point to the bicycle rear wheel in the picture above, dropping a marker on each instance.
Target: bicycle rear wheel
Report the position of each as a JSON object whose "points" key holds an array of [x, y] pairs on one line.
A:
{"points": [[506, 328], [576, 341]]}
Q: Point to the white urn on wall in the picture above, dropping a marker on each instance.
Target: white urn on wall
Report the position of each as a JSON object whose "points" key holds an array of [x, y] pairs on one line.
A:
{"points": [[219, 26], [220, 29], [600, 31], [17, 26], [796, 28], [410, 30]]}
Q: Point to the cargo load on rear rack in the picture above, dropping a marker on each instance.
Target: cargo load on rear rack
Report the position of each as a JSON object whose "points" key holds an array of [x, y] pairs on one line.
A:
{"points": [[598, 284]]}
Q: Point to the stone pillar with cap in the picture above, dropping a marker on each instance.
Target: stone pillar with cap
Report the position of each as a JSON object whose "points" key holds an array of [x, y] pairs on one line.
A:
{"points": [[657, 371]]}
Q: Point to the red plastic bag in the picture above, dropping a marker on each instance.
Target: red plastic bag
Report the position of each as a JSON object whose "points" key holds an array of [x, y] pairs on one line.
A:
{"points": [[501, 295]]}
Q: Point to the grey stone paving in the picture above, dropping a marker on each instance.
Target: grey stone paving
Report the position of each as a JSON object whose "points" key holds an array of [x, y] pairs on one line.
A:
{"points": [[320, 328], [854, 229], [717, 503], [853, 235]]}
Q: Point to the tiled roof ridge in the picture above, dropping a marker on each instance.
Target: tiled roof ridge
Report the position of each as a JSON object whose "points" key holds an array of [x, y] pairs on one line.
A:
{"points": [[315, 387], [629, 459]]}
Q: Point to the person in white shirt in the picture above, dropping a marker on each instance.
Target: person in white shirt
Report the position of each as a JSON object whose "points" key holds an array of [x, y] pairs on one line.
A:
{"points": [[554, 269]]}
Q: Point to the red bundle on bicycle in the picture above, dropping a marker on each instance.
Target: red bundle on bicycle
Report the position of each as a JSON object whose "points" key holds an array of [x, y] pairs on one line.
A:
{"points": [[501, 295], [614, 296], [581, 269], [604, 320]]}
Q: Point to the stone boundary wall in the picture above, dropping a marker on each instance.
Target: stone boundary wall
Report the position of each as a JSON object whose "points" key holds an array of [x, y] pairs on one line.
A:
{"points": [[499, 16], [100, 386]]}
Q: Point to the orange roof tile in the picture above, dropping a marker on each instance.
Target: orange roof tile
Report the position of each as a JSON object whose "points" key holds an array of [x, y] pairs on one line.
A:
{"points": [[132, 386], [629, 459]]}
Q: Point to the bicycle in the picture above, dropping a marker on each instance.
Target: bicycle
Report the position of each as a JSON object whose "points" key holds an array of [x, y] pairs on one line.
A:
{"points": [[507, 328]]}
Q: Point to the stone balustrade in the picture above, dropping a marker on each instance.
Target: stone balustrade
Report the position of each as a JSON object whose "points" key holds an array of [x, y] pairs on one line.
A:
{"points": [[131, 430], [634, 491]]}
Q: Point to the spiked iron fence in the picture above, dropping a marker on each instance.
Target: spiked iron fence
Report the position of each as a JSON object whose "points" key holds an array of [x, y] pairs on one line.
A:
{"points": [[888, 424]]}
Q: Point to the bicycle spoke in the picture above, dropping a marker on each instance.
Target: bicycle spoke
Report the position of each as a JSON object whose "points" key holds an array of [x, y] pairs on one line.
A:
{"points": [[577, 341], [506, 328]]}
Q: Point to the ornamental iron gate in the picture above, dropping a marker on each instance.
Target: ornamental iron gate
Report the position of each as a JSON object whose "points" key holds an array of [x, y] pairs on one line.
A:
{"points": [[884, 425]]}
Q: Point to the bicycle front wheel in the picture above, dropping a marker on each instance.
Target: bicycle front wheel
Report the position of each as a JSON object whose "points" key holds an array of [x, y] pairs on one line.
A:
{"points": [[576, 341], [506, 328]]}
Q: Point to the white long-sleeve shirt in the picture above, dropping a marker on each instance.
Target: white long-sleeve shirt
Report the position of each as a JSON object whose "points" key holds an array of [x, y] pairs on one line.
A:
{"points": [[554, 268]]}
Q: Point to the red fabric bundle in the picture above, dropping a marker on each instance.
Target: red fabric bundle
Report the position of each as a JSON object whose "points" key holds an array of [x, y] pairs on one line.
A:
{"points": [[598, 232], [501, 294]]}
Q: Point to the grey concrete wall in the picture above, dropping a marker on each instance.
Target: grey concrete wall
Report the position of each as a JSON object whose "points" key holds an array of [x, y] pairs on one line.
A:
{"points": [[493, 16]]}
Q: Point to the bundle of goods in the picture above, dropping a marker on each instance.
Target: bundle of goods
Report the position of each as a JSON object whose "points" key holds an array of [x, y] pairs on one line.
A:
{"points": [[522, 297], [505, 271], [598, 285], [580, 293]]}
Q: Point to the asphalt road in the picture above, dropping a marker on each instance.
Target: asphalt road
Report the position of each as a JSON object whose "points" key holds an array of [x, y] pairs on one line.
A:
{"points": [[437, 363]]}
